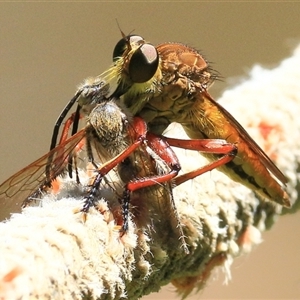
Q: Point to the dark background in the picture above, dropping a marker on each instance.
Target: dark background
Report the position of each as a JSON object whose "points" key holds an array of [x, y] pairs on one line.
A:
{"points": [[47, 49]]}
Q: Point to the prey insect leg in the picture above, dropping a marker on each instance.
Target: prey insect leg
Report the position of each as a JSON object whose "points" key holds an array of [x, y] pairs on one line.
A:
{"points": [[64, 136], [87, 96]]}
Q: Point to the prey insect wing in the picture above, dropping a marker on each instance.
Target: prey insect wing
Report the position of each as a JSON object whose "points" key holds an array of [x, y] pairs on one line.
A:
{"points": [[32, 179]]}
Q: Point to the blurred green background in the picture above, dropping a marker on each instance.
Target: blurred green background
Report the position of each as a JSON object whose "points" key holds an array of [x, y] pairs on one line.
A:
{"points": [[47, 49]]}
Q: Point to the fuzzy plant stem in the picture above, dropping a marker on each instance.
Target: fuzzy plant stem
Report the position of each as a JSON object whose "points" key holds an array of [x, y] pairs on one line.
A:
{"points": [[49, 252]]}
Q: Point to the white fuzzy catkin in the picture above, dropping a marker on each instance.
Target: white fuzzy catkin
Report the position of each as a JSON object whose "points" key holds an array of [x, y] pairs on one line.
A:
{"points": [[48, 252]]}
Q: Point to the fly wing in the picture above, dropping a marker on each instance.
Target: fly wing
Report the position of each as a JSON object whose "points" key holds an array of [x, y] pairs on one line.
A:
{"points": [[265, 160], [27, 181]]}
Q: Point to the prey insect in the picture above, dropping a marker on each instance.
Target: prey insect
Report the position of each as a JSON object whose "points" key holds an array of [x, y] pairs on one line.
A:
{"points": [[145, 163], [168, 83]]}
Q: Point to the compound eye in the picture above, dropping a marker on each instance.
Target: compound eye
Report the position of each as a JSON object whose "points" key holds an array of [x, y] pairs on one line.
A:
{"points": [[143, 63], [122, 45]]}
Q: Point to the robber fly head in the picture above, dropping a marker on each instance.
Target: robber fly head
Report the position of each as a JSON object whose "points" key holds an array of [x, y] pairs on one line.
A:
{"points": [[136, 64]]}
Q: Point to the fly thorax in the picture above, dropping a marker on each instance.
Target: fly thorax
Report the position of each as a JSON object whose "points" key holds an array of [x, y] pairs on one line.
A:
{"points": [[173, 104]]}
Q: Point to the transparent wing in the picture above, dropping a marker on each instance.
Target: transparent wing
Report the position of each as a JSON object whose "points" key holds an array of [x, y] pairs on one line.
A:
{"points": [[265, 160], [27, 181]]}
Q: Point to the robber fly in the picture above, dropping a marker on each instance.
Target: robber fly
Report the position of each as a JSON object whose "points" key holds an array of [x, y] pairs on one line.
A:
{"points": [[168, 83]]}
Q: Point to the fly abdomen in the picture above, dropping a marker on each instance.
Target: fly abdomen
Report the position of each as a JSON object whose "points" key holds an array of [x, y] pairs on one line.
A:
{"points": [[262, 183]]}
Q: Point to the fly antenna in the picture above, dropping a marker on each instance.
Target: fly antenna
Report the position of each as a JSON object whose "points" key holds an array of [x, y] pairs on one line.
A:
{"points": [[124, 36], [122, 33]]}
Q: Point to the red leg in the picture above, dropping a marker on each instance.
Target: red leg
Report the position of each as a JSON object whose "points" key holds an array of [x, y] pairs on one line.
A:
{"points": [[161, 146], [214, 146], [66, 128], [138, 132], [166, 153], [65, 132]]}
